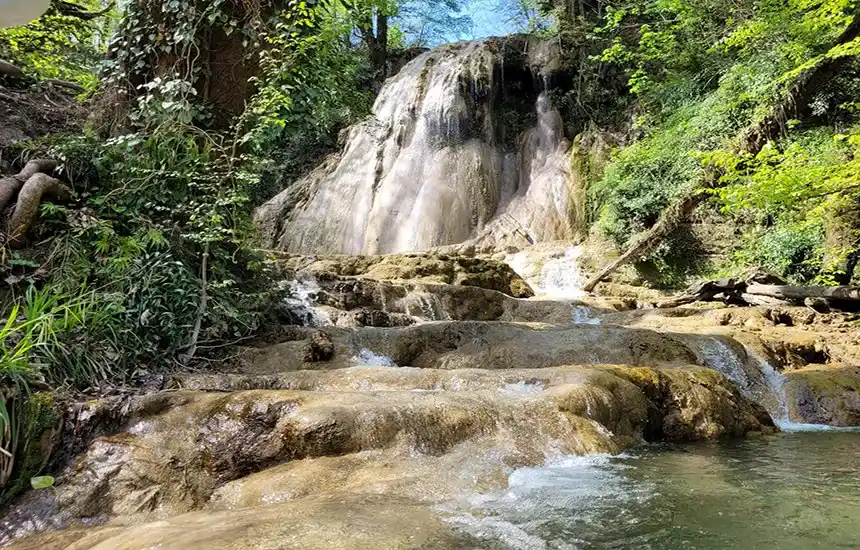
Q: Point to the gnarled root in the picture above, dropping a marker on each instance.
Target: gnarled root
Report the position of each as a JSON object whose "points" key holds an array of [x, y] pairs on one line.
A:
{"points": [[10, 185], [37, 187]]}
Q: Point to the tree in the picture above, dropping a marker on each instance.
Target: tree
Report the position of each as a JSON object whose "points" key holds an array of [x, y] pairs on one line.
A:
{"points": [[428, 23]]}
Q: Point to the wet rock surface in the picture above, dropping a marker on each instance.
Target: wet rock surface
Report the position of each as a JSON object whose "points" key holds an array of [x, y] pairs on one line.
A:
{"points": [[412, 391]]}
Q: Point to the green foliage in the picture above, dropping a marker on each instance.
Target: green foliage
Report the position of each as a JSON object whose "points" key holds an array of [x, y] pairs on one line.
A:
{"points": [[28, 419], [58, 46], [309, 88], [643, 178], [42, 482], [796, 184], [792, 251], [703, 70]]}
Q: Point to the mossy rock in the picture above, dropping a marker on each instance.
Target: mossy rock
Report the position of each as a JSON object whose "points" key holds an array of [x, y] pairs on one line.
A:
{"points": [[824, 394], [40, 418], [425, 268]]}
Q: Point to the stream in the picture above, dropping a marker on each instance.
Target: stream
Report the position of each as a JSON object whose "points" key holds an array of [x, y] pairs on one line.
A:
{"points": [[786, 491]]}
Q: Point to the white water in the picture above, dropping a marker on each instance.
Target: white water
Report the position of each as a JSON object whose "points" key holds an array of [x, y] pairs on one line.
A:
{"points": [[430, 167], [303, 291], [761, 383], [583, 315], [522, 388], [586, 487], [560, 277], [368, 358], [423, 306]]}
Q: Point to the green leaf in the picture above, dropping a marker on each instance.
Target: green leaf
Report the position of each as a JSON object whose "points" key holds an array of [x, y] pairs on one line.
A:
{"points": [[42, 482]]}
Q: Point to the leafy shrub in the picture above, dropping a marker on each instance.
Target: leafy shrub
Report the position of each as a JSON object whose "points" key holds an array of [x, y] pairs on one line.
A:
{"points": [[793, 252]]}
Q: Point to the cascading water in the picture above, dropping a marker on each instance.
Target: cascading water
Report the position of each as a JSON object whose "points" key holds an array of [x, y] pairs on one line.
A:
{"points": [[781, 416], [452, 151], [368, 358], [301, 295], [755, 378], [559, 277]]}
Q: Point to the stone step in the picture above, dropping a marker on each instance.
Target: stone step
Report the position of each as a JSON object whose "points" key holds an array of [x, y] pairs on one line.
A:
{"points": [[175, 450], [466, 344]]}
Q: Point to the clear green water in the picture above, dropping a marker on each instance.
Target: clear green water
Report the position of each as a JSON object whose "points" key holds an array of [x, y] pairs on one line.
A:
{"points": [[787, 491]]}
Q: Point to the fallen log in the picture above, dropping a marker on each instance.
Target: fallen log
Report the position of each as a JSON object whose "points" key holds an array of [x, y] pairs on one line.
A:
{"points": [[705, 292], [751, 293], [801, 293], [808, 80], [756, 300]]}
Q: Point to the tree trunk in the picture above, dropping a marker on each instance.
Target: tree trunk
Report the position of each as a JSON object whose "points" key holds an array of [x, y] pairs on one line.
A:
{"points": [[794, 102], [800, 293], [377, 43], [842, 240]]}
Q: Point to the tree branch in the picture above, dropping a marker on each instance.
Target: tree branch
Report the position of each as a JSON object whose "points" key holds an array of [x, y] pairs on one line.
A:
{"points": [[70, 9]]}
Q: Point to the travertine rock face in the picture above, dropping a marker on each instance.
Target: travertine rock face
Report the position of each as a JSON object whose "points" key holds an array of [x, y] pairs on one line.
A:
{"points": [[425, 379], [189, 450], [462, 143], [824, 394]]}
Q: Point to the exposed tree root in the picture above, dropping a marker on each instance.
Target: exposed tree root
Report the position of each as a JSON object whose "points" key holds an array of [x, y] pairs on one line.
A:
{"points": [[11, 185], [36, 188], [8, 69]]}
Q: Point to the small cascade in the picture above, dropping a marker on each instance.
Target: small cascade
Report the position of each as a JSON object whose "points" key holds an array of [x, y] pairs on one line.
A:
{"points": [[716, 353], [302, 292], [424, 306], [756, 379], [560, 277], [782, 417], [583, 315]]}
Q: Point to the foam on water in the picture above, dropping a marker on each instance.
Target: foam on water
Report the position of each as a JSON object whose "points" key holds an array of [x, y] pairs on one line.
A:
{"points": [[368, 358], [583, 315], [795, 427], [583, 487]]}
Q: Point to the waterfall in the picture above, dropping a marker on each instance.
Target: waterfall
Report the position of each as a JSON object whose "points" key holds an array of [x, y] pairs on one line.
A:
{"points": [[451, 152], [756, 379]]}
